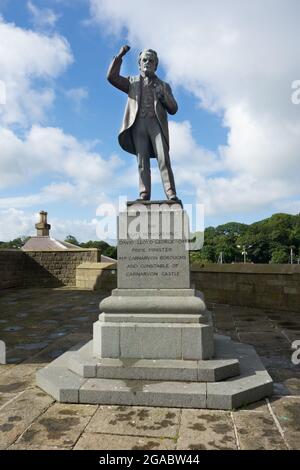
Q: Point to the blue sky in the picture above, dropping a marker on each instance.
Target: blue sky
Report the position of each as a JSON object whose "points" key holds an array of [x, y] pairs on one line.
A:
{"points": [[234, 141]]}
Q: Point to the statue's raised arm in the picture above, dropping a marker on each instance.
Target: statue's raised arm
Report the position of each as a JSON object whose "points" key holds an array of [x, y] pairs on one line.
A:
{"points": [[113, 74]]}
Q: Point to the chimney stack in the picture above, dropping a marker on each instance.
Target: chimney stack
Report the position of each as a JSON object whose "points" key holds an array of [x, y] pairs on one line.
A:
{"points": [[42, 226]]}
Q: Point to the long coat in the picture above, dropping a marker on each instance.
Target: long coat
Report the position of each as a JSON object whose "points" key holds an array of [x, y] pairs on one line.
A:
{"points": [[132, 86]]}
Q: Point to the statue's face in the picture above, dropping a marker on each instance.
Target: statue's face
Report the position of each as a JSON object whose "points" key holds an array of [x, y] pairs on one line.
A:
{"points": [[147, 64]]}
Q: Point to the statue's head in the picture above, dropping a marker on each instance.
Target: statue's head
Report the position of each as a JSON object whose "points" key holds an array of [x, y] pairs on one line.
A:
{"points": [[148, 62]]}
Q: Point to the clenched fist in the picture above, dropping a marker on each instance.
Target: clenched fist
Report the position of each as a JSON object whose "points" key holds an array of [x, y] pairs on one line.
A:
{"points": [[123, 51]]}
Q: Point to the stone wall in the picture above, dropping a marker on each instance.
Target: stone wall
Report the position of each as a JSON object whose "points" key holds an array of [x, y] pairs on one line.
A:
{"points": [[43, 268], [96, 276], [11, 268], [254, 285]]}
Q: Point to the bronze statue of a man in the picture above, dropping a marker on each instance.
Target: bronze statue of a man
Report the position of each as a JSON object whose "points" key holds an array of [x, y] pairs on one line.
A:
{"points": [[144, 130]]}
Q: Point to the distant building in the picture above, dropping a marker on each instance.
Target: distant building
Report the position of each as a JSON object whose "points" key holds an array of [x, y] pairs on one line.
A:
{"points": [[43, 242]]}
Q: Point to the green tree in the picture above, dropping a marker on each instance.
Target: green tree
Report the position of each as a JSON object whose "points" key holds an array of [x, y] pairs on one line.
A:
{"points": [[267, 240], [205, 255], [280, 256], [72, 239], [105, 248], [17, 243], [231, 229]]}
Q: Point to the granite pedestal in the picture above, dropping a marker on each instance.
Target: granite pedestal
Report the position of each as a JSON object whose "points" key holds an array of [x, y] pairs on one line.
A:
{"points": [[153, 344]]}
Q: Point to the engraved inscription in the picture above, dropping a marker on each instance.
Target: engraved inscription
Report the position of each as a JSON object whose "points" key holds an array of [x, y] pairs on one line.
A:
{"points": [[153, 263]]}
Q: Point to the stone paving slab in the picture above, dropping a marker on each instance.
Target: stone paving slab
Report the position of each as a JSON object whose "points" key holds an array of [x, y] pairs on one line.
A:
{"points": [[270, 340], [18, 414], [60, 426], [258, 431], [255, 328], [15, 379], [22, 372], [231, 333], [115, 442], [257, 407], [206, 429], [292, 335], [25, 446], [135, 421], [289, 379], [287, 411], [60, 346], [5, 368]]}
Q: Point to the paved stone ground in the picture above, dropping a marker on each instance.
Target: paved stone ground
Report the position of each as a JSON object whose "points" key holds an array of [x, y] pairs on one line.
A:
{"points": [[40, 324]]}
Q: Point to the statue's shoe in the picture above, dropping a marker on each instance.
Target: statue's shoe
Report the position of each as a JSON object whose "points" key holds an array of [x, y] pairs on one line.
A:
{"points": [[173, 197], [144, 197]]}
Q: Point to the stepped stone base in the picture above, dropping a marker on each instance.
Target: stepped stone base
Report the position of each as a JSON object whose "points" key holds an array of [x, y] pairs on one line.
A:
{"points": [[84, 363], [79, 377]]}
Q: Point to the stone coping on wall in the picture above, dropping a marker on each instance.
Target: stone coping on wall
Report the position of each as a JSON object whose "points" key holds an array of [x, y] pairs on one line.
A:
{"points": [[73, 250], [99, 265], [248, 268]]}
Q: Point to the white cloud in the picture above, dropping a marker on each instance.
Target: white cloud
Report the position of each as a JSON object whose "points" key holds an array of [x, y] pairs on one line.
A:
{"points": [[187, 153], [82, 229], [77, 96], [50, 152], [238, 59], [2, 93], [28, 62], [54, 192], [242, 194], [42, 18], [290, 207], [15, 223], [263, 145], [200, 171]]}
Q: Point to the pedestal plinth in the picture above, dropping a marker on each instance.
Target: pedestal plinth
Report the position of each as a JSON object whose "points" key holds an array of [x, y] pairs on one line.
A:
{"points": [[153, 344], [154, 314]]}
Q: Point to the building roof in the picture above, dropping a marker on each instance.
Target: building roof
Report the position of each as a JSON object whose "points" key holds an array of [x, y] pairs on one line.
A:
{"points": [[107, 259], [44, 243]]}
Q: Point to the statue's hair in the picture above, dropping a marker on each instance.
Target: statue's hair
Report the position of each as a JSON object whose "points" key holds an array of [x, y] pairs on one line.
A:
{"points": [[150, 51]]}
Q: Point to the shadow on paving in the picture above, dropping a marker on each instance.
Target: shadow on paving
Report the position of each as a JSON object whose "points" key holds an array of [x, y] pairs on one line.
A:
{"points": [[272, 333], [38, 325]]}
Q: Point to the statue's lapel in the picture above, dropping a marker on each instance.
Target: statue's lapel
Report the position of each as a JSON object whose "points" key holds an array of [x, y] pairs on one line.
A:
{"points": [[157, 82], [138, 89]]}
